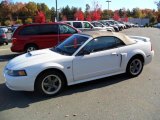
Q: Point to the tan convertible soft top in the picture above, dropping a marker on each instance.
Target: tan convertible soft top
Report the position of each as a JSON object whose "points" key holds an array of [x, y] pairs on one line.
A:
{"points": [[121, 36]]}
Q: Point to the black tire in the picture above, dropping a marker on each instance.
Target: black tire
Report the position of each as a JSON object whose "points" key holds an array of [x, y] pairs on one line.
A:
{"points": [[48, 81], [30, 48], [134, 67], [6, 43]]}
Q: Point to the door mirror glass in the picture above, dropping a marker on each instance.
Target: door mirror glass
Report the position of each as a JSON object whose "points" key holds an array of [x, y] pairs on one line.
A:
{"points": [[86, 52]]}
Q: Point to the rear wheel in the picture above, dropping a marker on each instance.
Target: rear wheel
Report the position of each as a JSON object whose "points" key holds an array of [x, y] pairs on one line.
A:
{"points": [[50, 83], [30, 48], [6, 43], [134, 67]]}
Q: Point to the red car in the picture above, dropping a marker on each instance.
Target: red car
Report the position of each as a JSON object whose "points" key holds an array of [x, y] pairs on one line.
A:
{"points": [[31, 37]]}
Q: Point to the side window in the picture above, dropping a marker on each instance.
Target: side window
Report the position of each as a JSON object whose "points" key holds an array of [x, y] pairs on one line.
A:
{"points": [[100, 44], [98, 25], [30, 30], [77, 24], [64, 29], [48, 29], [119, 42], [87, 25]]}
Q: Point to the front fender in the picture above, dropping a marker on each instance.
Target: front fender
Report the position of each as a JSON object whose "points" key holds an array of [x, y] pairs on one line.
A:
{"points": [[63, 68], [52, 65]]}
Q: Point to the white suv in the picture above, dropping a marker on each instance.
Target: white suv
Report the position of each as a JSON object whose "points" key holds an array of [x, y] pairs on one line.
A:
{"points": [[83, 25]]}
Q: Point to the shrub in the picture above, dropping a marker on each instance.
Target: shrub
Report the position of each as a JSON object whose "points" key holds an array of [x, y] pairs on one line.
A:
{"points": [[28, 21], [7, 22], [19, 21]]}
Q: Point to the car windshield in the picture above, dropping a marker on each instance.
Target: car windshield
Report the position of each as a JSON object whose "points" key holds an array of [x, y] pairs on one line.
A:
{"points": [[70, 45]]}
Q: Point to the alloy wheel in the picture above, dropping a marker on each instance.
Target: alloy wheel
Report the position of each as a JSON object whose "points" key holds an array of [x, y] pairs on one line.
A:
{"points": [[136, 67], [51, 84]]}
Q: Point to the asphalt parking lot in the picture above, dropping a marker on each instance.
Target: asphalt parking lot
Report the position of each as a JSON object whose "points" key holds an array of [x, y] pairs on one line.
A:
{"points": [[112, 98]]}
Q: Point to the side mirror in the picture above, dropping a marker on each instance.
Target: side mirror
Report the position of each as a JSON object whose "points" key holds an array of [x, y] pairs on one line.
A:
{"points": [[86, 52]]}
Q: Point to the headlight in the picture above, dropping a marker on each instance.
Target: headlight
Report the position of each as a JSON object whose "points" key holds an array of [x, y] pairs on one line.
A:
{"points": [[16, 72]]}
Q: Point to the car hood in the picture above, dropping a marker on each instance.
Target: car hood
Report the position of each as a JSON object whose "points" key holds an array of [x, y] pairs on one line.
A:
{"points": [[34, 57]]}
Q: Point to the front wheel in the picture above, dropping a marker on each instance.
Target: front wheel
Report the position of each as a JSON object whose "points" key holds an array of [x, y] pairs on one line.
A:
{"points": [[134, 67], [50, 83], [30, 48]]}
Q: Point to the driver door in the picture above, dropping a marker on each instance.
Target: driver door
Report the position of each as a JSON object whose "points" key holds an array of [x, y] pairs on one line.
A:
{"points": [[104, 58]]}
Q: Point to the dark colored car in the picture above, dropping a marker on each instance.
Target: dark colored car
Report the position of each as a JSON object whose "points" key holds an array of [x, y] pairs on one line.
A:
{"points": [[14, 27], [31, 37], [3, 37]]}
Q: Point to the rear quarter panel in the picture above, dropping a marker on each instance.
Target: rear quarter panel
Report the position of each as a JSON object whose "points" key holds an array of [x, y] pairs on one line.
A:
{"points": [[142, 48]]}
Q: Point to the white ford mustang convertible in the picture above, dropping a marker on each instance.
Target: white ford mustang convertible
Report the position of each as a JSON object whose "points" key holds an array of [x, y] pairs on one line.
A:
{"points": [[82, 57]]}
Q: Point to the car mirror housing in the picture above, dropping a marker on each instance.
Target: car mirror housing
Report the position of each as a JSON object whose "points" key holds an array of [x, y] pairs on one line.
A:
{"points": [[86, 52]]}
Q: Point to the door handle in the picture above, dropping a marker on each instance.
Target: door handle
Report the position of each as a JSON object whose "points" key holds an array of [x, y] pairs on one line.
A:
{"points": [[114, 53]]}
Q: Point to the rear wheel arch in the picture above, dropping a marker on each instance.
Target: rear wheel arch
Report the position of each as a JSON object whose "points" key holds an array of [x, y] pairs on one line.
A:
{"points": [[140, 56]]}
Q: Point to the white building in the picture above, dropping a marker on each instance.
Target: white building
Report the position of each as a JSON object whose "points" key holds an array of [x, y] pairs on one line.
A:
{"points": [[139, 21]]}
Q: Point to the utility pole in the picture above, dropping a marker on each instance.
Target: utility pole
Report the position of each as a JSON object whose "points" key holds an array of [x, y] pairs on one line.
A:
{"points": [[108, 3], [56, 11]]}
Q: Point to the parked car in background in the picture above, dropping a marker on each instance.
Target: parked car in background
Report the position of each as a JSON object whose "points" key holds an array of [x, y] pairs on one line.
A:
{"points": [[119, 25], [157, 25], [9, 28], [127, 24], [104, 22], [14, 27], [97, 24], [84, 25], [31, 37], [80, 58], [3, 37], [4, 28]]}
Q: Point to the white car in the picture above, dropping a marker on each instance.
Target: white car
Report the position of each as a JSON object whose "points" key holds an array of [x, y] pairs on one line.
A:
{"points": [[4, 28], [80, 58], [84, 26], [100, 25]]}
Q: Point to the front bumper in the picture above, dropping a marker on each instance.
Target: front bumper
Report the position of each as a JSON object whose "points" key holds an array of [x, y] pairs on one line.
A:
{"points": [[23, 83]]}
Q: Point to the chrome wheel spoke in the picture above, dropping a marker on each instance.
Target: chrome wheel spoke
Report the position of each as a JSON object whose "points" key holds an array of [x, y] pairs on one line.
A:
{"points": [[49, 89], [55, 80], [54, 86], [46, 84], [49, 79]]}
